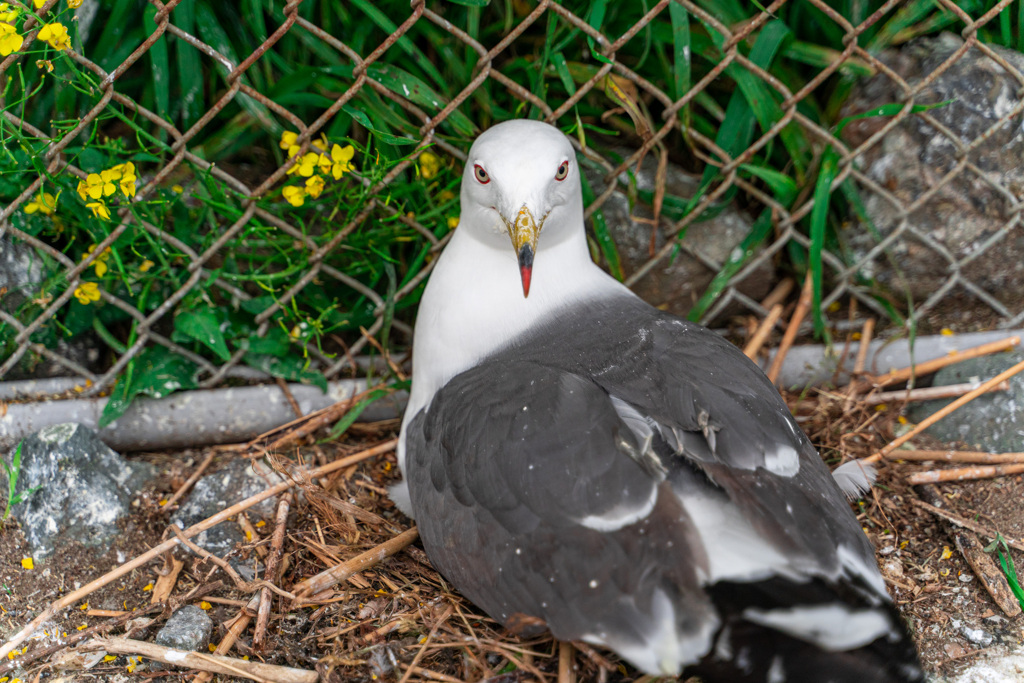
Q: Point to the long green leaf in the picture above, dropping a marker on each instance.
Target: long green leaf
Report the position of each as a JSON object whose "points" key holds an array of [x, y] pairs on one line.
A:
{"points": [[819, 217], [190, 69], [681, 56], [159, 65]]}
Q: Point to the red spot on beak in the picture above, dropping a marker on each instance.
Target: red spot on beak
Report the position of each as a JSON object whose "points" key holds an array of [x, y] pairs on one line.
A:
{"points": [[526, 267]]}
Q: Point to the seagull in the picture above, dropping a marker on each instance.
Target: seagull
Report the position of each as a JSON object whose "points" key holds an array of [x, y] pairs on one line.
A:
{"points": [[577, 460]]}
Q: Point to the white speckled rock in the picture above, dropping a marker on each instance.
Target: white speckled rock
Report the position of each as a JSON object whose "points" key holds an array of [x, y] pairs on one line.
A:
{"points": [[85, 487]]}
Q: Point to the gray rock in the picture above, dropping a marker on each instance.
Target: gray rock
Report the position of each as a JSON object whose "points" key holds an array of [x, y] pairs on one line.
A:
{"points": [[675, 284], [188, 629], [215, 492], [956, 223], [21, 272], [84, 488], [992, 422]]}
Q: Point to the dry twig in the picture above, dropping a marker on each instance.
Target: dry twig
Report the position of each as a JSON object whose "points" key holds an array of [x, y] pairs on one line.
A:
{"points": [[193, 478], [927, 393], [764, 329], [802, 306], [270, 575], [964, 473], [195, 660], [957, 456], [928, 367], [340, 572]]}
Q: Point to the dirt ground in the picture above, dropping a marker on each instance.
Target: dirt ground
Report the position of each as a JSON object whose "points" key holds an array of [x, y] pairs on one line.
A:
{"points": [[400, 615]]}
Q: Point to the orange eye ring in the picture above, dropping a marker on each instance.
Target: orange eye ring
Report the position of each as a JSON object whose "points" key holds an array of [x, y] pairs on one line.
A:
{"points": [[563, 170], [480, 174]]}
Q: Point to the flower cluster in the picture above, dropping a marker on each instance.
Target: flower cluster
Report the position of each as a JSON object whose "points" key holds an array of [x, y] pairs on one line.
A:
{"points": [[55, 33], [96, 186], [314, 166]]}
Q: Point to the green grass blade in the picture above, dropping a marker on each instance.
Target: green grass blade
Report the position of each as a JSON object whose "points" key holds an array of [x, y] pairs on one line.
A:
{"points": [[681, 56], [190, 69], [159, 65], [819, 219], [782, 186]]}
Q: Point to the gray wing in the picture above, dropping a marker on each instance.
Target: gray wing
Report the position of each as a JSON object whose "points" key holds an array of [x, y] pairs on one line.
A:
{"points": [[534, 510]]}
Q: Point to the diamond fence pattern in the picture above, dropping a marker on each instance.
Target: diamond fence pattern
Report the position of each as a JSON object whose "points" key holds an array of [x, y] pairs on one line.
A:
{"points": [[845, 275]]}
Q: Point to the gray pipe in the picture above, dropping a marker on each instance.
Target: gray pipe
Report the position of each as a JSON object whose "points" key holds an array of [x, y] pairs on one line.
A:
{"points": [[191, 418], [196, 418]]}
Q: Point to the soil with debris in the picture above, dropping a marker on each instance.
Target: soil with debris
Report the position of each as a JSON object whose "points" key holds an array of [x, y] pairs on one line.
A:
{"points": [[399, 620]]}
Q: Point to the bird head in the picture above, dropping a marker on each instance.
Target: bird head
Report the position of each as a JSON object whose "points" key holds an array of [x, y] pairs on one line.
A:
{"points": [[520, 176]]}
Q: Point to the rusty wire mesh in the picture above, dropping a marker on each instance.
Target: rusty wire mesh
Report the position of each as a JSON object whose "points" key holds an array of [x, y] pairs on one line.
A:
{"points": [[899, 200]]}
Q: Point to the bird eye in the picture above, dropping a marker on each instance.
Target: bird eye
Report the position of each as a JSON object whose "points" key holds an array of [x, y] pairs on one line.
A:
{"points": [[563, 170], [481, 174]]}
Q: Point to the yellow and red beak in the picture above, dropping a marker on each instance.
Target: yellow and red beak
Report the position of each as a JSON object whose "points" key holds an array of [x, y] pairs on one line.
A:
{"points": [[524, 232]]}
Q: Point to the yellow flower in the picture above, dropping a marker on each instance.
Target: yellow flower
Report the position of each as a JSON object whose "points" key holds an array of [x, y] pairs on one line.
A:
{"points": [[45, 203], [100, 210], [56, 35], [204, 605], [109, 658], [287, 142], [429, 164], [87, 292], [27, 563], [148, 586], [295, 195], [453, 222], [74, 4], [314, 186], [10, 41], [306, 165], [39, 3], [97, 185], [342, 157], [6, 13], [101, 261], [177, 189], [145, 266], [127, 178]]}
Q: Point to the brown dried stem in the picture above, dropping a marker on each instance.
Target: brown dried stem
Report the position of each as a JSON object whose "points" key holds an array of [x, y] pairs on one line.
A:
{"points": [[273, 563]]}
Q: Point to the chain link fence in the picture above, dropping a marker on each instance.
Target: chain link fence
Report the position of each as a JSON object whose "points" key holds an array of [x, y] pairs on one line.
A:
{"points": [[913, 212]]}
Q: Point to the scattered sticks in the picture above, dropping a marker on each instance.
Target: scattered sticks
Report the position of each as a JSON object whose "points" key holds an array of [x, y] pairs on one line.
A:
{"points": [[935, 417], [77, 595]]}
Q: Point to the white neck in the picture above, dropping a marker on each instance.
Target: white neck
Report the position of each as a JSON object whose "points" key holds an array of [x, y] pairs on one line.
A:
{"points": [[473, 304]]}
